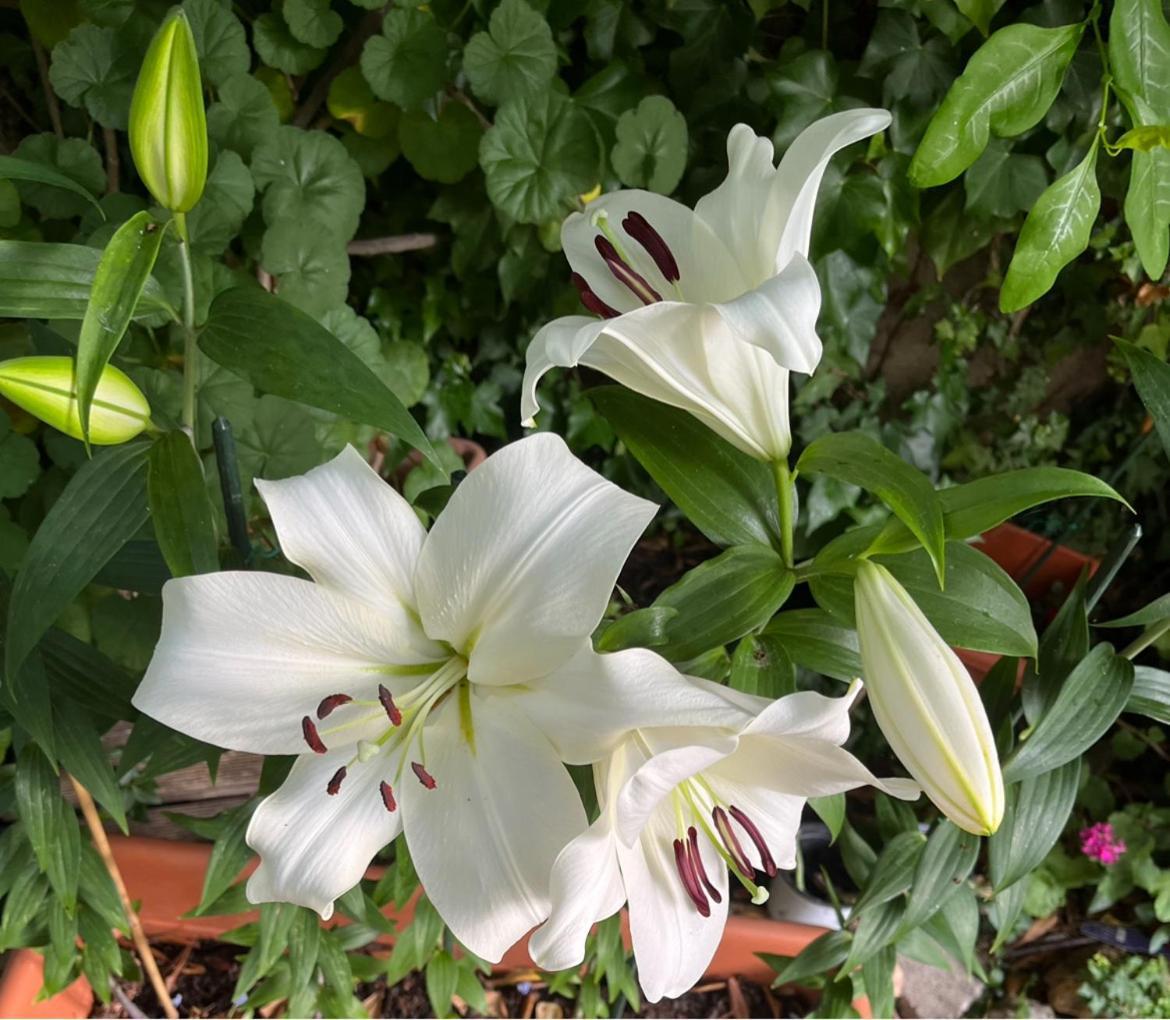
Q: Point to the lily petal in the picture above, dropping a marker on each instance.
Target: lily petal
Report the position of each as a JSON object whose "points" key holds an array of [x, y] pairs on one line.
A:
{"points": [[519, 567], [485, 838], [557, 343], [673, 943], [349, 529], [315, 846], [243, 657], [591, 702], [776, 814]]}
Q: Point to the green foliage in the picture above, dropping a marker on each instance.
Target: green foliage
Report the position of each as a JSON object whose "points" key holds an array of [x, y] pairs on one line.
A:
{"points": [[1132, 986]]}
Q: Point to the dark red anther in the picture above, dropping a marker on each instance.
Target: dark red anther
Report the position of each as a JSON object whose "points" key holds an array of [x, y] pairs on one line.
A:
{"points": [[424, 776], [638, 227], [697, 864], [749, 827], [387, 796], [633, 281], [312, 737], [334, 786], [590, 300], [731, 842], [689, 880], [387, 701], [330, 703]]}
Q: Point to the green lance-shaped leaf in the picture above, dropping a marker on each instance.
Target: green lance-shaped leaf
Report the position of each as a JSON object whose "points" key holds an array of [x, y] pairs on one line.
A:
{"points": [[815, 640], [1151, 612], [1088, 703], [1150, 695], [281, 350], [13, 168], [47, 388], [1056, 231], [103, 505], [1151, 376], [1006, 88], [1034, 817], [50, 823], [117, 285], [946, 861], [860, 460], [180, 507], [168, 124]]}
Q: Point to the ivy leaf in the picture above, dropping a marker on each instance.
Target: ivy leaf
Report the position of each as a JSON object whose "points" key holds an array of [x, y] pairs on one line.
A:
{"points": [[1056, 231], [308, 177], [651, 149], [906, 66], [220, 42], [225, 204], [980, 12], [515, 58], [445, 149], [95, 68], [76, 159], [1006, 88], [539, 154], [312, 21], [279, 48], [1001, 183], [806, 87], [244, 115], [407, 63], [311, 269]]}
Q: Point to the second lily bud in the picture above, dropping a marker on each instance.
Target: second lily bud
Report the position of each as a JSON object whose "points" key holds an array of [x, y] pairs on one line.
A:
{"points": [[168, 125], [926, 704]]}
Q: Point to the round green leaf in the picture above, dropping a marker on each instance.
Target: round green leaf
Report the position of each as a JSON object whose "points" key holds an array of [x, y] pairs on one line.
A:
{"points": [[95, 68], [279, 48], [227, 200], [244, 117], [312, 21], [219, 41], [311, 270], [308, 176], [352, 100], [76, 159], [407, 63], [516, 57], [372, 155], [541, 152], [446, 149], [651, 149]]}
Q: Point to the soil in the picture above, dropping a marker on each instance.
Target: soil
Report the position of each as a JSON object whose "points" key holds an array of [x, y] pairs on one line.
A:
{"points": [[203, 976]]}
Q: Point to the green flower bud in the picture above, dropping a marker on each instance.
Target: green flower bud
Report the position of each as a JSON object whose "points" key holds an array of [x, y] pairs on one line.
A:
{"points": [[47, 388], [168, 125]]}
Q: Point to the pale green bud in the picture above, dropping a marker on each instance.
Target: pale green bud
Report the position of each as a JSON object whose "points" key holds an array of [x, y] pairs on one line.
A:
{"points": [[926, 704], [168, 125], [46, 387]]}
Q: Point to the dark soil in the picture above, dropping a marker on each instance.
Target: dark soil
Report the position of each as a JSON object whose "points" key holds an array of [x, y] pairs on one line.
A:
{"points": [[203, 978]]}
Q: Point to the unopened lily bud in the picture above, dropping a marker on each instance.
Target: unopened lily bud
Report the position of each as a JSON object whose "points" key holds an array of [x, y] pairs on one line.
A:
{"points": [[926, 704], [46, 387], [168, 125]]}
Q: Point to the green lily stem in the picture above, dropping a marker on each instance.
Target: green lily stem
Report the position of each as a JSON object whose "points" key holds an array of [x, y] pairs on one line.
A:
{"points": [[784, 491], [1145, 639], [190, 348]]}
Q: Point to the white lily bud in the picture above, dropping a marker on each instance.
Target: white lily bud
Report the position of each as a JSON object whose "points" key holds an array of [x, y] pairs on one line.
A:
{"points": [[926, 704]]}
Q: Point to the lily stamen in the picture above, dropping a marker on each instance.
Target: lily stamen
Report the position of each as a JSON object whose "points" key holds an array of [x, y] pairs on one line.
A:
{"points": [[639, 228], [697, 864], [748, 826], [590, 300], [423, 775], [731, 841], [331, 702], [387, 792], [312, 737], [393, 713], [690, 881], [633, 281], [334, 786]]}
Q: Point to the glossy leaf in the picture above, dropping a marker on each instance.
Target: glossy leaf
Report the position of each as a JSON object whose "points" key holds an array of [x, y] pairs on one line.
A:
{"points": [[1088, 703], [727, 495], [860, 460], [944, 864], [50, 823], [893, 871], [877, 929], [180, 508], [1056, 231], [1065, 643], [103, 505], [1151, 376], [822, 954], [121, 275], [1005, 89], [1150, 695], [831, 810], [761, 666], [13, 168], [1035, 815], [281, 350], [815, 640], [81, 752], [643, 628], [1152, 612]]}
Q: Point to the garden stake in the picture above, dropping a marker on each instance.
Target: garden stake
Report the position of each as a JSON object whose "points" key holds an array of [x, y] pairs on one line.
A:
{"points": [[229, 485], [102, 845]]}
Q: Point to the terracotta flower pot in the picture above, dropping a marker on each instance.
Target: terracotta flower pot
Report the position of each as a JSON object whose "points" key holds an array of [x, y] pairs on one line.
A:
{"points": [[165, 877]]}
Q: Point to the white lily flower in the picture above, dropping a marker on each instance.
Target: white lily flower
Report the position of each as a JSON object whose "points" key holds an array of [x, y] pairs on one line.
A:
{"points": [[706, 310], [926, 703], [681, 807], [408, 674]]}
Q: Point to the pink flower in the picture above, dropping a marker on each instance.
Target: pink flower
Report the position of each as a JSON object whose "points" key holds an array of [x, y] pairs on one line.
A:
{"points": [[1099, 844]]}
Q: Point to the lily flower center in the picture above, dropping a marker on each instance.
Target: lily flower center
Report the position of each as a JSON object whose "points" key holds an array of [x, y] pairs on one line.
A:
{"points": [[405, 715], [624, 266], [726, 828]]}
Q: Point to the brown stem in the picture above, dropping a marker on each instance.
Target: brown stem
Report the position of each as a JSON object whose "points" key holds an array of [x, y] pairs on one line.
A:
{"points": [[102, 844], [50, 95], [393, 245], [113, 163]]}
